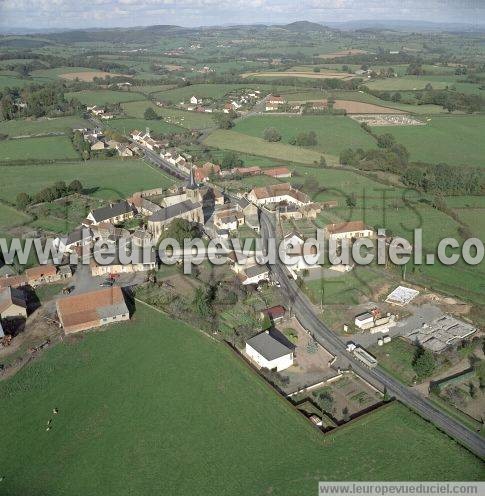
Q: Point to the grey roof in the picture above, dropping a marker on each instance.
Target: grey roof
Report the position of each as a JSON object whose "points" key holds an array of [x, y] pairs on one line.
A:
{"points": [[268, 346], [174, 211], [110, 211], [256, 270], [78, 235], [110, 311], [243, 202], [191, 184], [13, 295]]}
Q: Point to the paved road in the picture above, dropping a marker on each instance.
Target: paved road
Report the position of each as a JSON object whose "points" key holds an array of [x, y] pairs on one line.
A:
{"points": [[304, 310]]}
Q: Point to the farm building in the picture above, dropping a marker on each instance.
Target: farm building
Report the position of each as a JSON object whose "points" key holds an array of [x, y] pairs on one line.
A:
{"points": [[12, 304], [348, 230], [80, 237], [93, 309], [275, 313], [269, 352], [42, 274], [278, 193]]}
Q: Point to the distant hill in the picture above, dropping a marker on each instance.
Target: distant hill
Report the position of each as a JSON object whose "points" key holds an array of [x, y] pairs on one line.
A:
{"points": [[304, 27], [121, 35]]}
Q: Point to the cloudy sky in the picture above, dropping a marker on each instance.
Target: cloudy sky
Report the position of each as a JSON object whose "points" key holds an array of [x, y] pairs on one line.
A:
{"points": [[111, 13]]}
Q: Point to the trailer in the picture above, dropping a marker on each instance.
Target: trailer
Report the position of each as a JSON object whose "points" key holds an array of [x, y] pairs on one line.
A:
{"points": [[365, 357]]}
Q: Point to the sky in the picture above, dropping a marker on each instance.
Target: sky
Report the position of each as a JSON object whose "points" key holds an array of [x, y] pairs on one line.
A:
{"points": [[42, 14]]}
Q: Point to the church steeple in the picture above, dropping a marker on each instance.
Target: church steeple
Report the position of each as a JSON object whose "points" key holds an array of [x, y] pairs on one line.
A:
{"points": [[191, 183]]}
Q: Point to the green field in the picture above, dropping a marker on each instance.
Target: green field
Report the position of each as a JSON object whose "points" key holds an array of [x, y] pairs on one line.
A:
{"points": [[103, 178], [21, 127], [103, 97], [124, 126], [231, 140], [334, 133], [7, 81], [456, 140], [47, 148], [183, 415], [182, 118], [216, 91], [10, 217], [406, 83]]}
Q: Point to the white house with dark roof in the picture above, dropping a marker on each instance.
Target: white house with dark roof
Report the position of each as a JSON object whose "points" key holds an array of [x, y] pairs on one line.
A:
{"points": [[113, 213], [268, 352]]}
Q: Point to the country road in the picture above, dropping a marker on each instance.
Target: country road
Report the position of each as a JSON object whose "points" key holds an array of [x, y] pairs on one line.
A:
{"points": [[304, 311]]}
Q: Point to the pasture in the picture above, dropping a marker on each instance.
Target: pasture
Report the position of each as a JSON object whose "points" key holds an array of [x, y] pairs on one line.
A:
{"points": [[22, 127], [10, 217], [213, 91], [456, 140], [46, 148], [334, 133], [407, 83], [239, 142], [182, 118], [200, 416], [104, 97], [106, 179]]}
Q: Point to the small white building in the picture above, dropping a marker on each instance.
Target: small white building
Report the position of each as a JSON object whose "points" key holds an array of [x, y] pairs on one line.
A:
{"points": [[269, 352], [194, 100], [364, 321]]}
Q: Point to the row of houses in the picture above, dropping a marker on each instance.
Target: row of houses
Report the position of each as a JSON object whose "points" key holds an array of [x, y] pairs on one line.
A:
{"points": [[37, 276], [98, 142]]}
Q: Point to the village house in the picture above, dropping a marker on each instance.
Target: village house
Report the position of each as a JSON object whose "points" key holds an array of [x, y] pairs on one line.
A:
{"points": [[113, 213], [298, 256], [140, 263], [230, 217], [99, 145], [348, 230], [93, 309], [203, 172], [269, 352], [278, 193], [12, 304], [254, 274], [42, 274], [124, 150], [79, 237], [277, 172], [246, 171], [13, 281], [142, 238], [143, 205], [273, 102], [187, 210], [274, 314], [194, 100]]}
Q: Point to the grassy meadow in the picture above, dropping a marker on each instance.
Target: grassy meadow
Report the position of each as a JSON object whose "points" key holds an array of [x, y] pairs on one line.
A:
{"points": [[232, 140], [455, 140], [107, 179], [22, 127], [183, 415], [334, 133], [104, 97], [45, 148]]}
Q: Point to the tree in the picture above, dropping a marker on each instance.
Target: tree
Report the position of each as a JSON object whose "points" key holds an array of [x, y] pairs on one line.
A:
{"points": [[150, 114], [75, 186], [223, 121], [396, 97], [325, 400], [22, 200], [323, 161], [347, 157], [351, 201], [424, 363], [200, 303], [386, 140], [230, 160], [271, 134]]}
